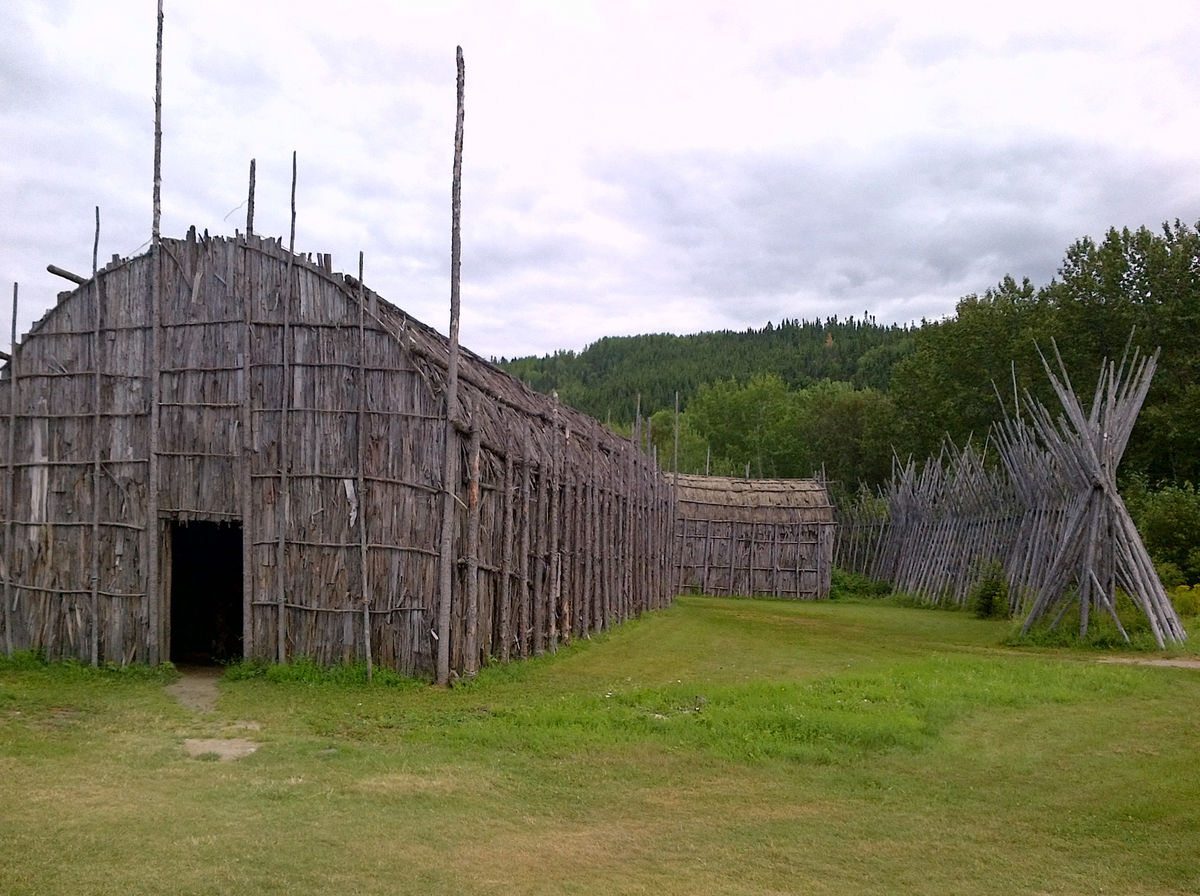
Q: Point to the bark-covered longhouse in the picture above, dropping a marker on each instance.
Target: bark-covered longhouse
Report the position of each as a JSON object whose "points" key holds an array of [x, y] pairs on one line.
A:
{"points": [[246, 459], [754, 537]]}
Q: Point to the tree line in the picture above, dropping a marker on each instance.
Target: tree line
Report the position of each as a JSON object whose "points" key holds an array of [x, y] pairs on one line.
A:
{"points": [[847, 395]]}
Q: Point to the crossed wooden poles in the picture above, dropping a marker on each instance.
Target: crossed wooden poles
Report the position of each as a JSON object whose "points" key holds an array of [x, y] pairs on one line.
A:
{"points": [[1049, 512]]}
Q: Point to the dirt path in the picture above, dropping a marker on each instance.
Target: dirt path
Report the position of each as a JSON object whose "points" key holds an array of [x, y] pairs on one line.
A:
{"points": [[1137, 661], [196, 690]]}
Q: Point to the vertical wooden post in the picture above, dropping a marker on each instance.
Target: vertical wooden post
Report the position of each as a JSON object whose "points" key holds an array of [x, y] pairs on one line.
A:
{"points": [[96, 443], [629, 546], [154, 595], [596, 541], [673, 544], [157, 200], [449, 465], [676, 562], [525, 590], [1088, 594], [539, 574], [586, 546], [775, 571], [658, 520], [604, 521], [555, 569], [506, 563], [647, 520], [283, 501], [471, 646], [11, 509], [575, 598], [638, 537], [250, 205], [733, 549], [611, 516], [799, 563], [363, 585], [245, 481], [153, 589], [708, 524]]}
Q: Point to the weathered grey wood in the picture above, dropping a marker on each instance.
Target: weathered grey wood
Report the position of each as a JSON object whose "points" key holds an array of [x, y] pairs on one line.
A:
{"points": [[65, 274], [527, 590], [449, 478], [360, 437], [554, 590], [216, 351], [153, 537], [591, 577], [245, 422], [749, 519], [540, 580], [508, 524], [97, 449], [250, 205], [157, 197], [1050, 514], [11, 482], [154, 595], [471, 639], [283, 504]]}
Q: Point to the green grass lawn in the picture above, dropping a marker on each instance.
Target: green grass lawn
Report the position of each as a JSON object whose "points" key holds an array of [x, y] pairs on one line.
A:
{"points": [[720, 746]]}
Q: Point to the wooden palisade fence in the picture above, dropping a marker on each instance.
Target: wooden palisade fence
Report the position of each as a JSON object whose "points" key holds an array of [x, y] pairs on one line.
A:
{"points": [[1048, 513]]}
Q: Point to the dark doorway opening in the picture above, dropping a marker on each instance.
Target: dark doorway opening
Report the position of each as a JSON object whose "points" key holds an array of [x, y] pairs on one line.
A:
{"points": [[206, 592]]}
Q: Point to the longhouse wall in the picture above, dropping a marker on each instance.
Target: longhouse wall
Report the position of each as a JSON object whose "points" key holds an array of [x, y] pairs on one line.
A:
{"points": [[276, 396]]}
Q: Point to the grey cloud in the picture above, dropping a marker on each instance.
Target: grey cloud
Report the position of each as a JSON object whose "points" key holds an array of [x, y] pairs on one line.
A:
{"points": [[933, 50], [494, 257], [810, 59], [931, 218], [243, 75]]}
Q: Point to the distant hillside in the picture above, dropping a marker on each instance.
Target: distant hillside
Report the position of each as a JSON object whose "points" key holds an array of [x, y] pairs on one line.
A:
{"points": [[847, 396], [606, 378]]}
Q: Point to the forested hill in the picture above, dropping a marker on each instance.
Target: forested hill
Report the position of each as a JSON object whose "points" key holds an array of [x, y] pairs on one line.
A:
{"points": [[847, 396], [606, 379]]}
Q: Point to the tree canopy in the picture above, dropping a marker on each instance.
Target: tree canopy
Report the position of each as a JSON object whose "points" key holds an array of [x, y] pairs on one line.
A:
{"points": [[842, 395]]}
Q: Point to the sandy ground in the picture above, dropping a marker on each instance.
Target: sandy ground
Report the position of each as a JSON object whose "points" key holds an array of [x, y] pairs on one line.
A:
{"points": [[1139, 661], [196, 690]]}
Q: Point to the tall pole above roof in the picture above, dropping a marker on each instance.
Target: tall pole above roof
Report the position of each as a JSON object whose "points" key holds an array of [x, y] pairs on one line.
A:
{"points": [[250, 205], [97, 423], [449, 465], [154, 367], [155, 226]]}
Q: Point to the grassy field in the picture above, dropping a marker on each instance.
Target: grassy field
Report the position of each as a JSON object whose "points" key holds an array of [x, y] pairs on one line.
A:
{"points": [[720, 746]]}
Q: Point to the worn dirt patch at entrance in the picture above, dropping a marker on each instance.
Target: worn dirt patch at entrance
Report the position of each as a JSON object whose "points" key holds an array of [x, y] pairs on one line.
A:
{"points": [[196, 690], [224, 749]]}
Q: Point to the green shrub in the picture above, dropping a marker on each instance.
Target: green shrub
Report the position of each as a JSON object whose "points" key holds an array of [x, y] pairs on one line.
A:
{"points": [[1169, 523], [73, 667], [1169, 574], [303, 670], [1186, 600], [851, 585], [988, 599], [1102, 633]]}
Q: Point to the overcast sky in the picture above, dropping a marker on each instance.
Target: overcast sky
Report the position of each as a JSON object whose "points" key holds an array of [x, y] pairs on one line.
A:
{"points": [[628, 167]]}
